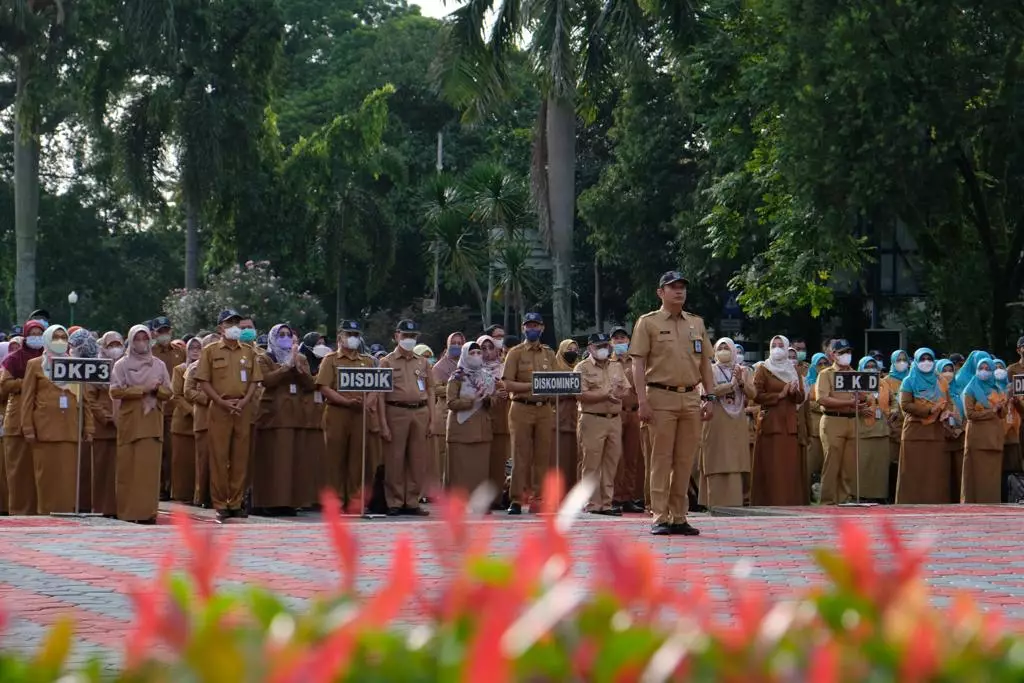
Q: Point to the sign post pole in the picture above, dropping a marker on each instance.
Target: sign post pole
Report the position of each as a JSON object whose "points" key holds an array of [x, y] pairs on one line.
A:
{"points": [[856, 383], [557, 384], [856, 441], [365, 381]]}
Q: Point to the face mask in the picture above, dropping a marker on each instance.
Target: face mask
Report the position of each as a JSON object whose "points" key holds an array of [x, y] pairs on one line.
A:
{"points": [[801, 355], [34, 342], [1000, 375], [353, 343], [621, 349], [474, 361], [498, 343], [407, 344], [875, 370], [59, 346], [248, 335], [233, 333], [140, 347], [570, 356], [724, 355], [926, 366], [601, 354], [901, 366], [778, 354], [844, 359], [114, 352], [454, 350], [984, 375], [321, 350], [285, 343], [163, 339], [532, 335]]}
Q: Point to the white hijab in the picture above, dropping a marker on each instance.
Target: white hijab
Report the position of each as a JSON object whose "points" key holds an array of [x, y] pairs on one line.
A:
{"points": [[782, 369], [734, 403]]}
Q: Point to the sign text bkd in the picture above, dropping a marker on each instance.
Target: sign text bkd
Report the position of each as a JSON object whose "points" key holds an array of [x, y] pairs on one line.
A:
{"points": [[850, 382]]}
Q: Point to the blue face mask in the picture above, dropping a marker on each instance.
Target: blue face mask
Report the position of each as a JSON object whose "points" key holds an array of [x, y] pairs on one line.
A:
{"points": [[248, 335], [455, 350], [532, 334], [621, 349]]}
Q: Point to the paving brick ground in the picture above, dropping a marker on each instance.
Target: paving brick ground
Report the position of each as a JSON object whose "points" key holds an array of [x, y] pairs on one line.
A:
{"points": [[56, 566]]}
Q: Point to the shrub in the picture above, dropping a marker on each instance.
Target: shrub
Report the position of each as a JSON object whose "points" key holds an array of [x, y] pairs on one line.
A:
{"points": [[525, 618]]}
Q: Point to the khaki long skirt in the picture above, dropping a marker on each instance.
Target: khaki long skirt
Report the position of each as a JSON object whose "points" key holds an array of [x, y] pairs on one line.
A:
{"points": [[306, 467], [56, 470], [21, 476], [469, 465], [272, 471], [104, 476], [983, 470], [183, 467], [138, 479], [875, 456]]}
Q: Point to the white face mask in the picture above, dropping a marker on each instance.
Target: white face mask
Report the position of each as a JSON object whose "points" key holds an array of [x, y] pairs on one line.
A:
{"points": [[926, 366], [1000, 374], [114, 352], [320, 350], [234, 333], [844, 359], [984, 375], [901, 366], [778, 353], [353, 343], [407, 344], [498, 343], [59, 346], [601, 354], [723, 355], [34, 342], [474, 361]]}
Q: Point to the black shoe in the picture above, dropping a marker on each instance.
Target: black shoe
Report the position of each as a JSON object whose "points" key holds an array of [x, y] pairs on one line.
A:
{"points": [[223, 515], [164, 497], [415, 512], [424, 500], [515, 509], [610, 512], [631, 506], [661, 529], [240, 514], [684, 529], [394, 512], [697, 507]]}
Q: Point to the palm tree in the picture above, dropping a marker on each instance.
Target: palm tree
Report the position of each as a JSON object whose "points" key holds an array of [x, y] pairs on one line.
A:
{"points": [[518, 278]]}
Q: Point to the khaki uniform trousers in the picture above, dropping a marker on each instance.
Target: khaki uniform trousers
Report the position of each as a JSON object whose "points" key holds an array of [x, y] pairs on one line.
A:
{"points": [[600, 440], [676, 436], [229, 437], [343, 459], [629, 480], [166, 459], [202, 491], [838, 441], [406, 457], [646, 439], [21, 476], [532, 428]]}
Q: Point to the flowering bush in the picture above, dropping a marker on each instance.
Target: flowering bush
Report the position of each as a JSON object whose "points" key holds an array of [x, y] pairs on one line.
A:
{"points": [[252, 288], [525, 618]]}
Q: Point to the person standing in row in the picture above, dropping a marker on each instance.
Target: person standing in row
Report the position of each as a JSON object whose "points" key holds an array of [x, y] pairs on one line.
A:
{"points": [[229, 374], [343, 427], [407, 424], [531, 418], [815, 452], [838, 428], [924, 469], [570, 461], [104, 440], [985, 405], [874, 438], [171, 356], [441, 372], [501, 443], [1013, 461], [671, 357], [468, 430], [312, 457], [183, 437], [600, 421], [629, 480], [778, 474], [139, 387], [200, 403], [21, 473]]}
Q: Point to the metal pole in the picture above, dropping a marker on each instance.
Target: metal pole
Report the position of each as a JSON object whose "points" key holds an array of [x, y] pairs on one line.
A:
{"points": [[558, 438], [362, 486], [78, 469], [856, 440]]}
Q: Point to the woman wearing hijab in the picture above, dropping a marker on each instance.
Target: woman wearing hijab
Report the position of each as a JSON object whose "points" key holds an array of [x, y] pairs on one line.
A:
{"points": [[778, 474], [815, 458], [104, 440], [985, 405], [1011, 447], [899, 368], [20, 469], [725, 455], [82, 345], [308, 477], [572, 464], [183, 436], [468, 431], [200, 402], [49, 422], [953, 424], [139, 388], [874, 439], [501, 439], [281, 418], [442, 371], [924, 468]]}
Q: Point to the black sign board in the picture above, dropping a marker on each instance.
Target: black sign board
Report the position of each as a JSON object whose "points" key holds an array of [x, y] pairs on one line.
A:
{"points": [[1018, 385], [365, 379], [80, 370], [557, 383], [850, 382]]}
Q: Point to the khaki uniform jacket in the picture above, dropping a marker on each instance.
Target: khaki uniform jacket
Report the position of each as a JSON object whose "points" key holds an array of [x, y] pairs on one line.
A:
{"points": [[182, 417], [41, 412], [281, 406]]}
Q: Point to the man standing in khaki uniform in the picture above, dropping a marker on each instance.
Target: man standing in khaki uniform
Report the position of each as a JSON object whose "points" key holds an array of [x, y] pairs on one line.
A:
{"points": [[599, 429], [838, 428], [671, 356], [172, 357], [343, 415], [531, 419], [407, 424], [229, 374], [629, 480]]}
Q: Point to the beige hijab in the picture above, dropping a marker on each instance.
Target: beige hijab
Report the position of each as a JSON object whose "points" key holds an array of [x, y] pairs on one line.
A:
{"points": [[139, 370]]}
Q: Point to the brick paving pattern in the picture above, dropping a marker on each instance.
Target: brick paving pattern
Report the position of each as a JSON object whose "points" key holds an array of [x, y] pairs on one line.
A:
{"points": [[56, 566]]}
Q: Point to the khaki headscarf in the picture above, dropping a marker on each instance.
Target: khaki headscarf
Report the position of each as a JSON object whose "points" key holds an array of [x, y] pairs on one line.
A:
{"points": [[562, 348]]}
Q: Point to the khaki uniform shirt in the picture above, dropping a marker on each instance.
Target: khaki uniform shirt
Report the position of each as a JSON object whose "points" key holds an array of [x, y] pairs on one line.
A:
{"points": [[525, 359], [198, 398], [411, 376], [172, 357], [674, 347], [182, 415], [604, 377], [48, 411], [229, 370]]}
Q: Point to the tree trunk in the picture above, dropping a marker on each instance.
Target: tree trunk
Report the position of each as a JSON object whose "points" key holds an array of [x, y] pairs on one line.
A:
{"points": [[26, 194], [561, 157], [597, 294], [506, 294], [191, 239], [341, 307]]}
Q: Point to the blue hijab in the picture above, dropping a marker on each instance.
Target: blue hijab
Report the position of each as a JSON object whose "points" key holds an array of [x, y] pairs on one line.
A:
{"points": [[957, 397], [892, 365], [980, 389], [812, 372], [1002, 384], [862, 364], [921, 384], [966, 373]]}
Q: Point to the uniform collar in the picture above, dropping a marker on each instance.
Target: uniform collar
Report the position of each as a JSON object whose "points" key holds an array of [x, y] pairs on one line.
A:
{"points": [[667, 315]]}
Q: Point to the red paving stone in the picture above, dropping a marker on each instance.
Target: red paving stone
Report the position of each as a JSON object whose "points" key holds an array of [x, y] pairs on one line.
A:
{"points": [[52, 566]]}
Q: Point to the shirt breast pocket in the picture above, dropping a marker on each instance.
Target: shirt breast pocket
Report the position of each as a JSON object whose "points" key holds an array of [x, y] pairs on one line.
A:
{"points": [[220, 367], [666, 337]]}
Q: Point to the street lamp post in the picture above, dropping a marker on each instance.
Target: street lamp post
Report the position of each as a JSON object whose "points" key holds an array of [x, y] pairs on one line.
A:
{"points": [[72, 300]]}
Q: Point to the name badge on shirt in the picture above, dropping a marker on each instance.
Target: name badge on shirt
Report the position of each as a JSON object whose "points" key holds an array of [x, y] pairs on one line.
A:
{"points": [[1009, 416], [952, 422], [318, 397], [63, 403], [245, 376], [421, 383], [878, 413], [292, 389], [698, 346]]}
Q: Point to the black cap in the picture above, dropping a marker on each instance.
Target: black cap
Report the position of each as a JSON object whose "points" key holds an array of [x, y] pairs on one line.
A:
{"points": [[408, 327], [619, 330], [350, 326], [16, 331], [956, 358], [228, 314], [510, 341], [840, 345], [158, 322], [376, 348], [262, 340], [599, 338], [533, 317], [39, 313], [672, 276]]}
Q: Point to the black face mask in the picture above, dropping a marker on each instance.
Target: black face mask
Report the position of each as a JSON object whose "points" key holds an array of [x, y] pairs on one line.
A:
{"points": [[570, 356]]}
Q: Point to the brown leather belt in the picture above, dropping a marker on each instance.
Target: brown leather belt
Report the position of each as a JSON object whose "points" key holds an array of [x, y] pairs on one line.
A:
{"points": [[531, 402], [832, 413], [608, 416], [665, 387], [631, 410], [408, 406]]}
